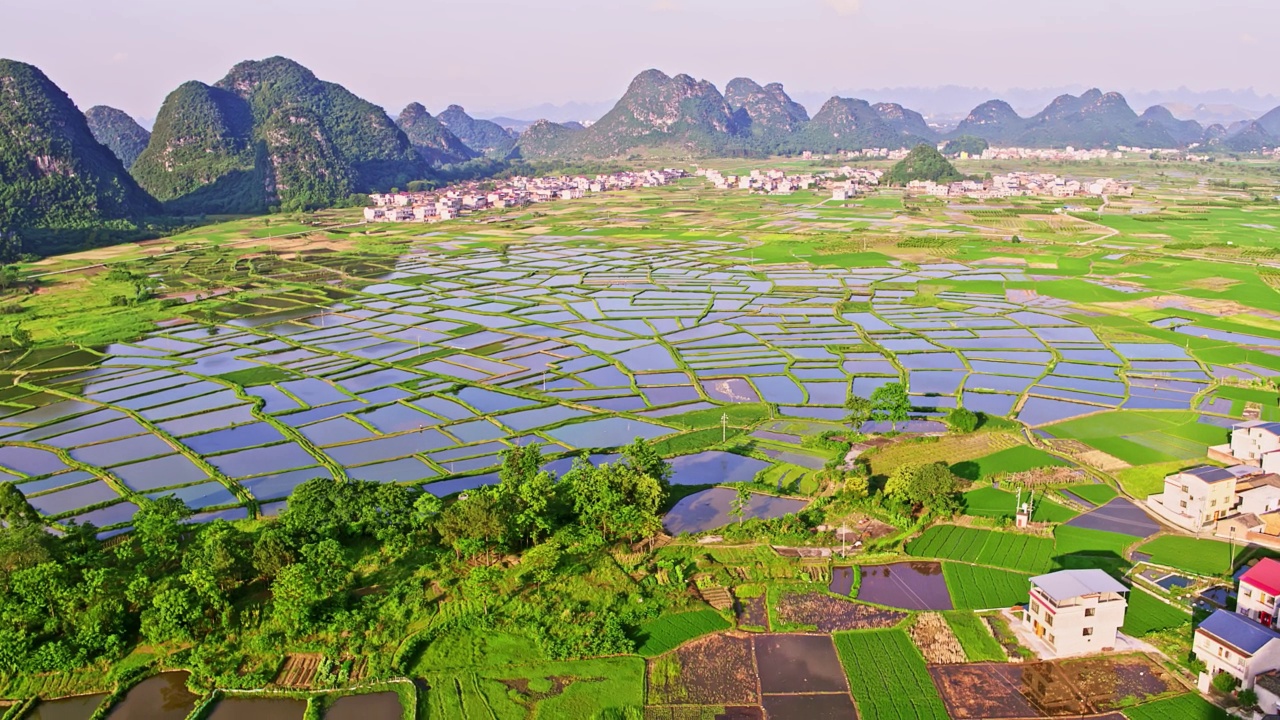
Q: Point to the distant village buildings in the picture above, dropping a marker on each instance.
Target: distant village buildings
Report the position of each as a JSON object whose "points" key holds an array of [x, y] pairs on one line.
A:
{"points": [[1020, 184], [458, 200]]}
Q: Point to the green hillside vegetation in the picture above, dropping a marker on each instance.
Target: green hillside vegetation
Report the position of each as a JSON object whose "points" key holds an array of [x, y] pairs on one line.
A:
{"points": [[56, 180], [122, 135], [271, 134], [431, 139], [923, 163], [483, 136]]}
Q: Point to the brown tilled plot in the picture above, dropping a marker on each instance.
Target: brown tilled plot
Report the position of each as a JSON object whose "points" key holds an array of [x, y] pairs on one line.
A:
{"points": [[716, 670], [1064, 688], [830, 614]]}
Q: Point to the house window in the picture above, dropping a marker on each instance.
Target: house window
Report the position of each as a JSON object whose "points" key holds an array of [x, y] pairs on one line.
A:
{"points": [[1050, 637], [1183, 504], [1048, 620], [1087, 632], [1248, 593], [1090, 612]]}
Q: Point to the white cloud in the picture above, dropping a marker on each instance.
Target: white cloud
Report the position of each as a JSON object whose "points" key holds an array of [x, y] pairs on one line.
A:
{"points": [[665, 6], [845, 7], [1248, 39]]}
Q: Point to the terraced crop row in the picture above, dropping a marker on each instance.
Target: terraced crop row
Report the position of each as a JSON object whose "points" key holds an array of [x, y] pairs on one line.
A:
{"points": [[888, 677]]}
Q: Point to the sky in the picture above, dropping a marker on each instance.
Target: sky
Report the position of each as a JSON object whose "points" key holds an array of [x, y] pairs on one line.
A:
{"points": [[494, 56]]}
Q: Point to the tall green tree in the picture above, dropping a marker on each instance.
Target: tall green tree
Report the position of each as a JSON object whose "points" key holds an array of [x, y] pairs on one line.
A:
{"points": [[642, 456], [890, 403], [930, 485]]}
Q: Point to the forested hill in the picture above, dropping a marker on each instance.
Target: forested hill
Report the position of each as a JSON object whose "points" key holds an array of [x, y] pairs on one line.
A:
{"points": [[122, 135], [56, 179], [271, 134]]}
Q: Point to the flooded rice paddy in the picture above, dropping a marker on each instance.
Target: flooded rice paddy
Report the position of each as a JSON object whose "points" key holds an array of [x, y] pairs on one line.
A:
{"points": [[425, 373]]}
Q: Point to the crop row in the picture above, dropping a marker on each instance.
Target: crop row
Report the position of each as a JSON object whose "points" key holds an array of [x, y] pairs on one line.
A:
{"points": [[888, 677], [978, 588], [985, 547]]}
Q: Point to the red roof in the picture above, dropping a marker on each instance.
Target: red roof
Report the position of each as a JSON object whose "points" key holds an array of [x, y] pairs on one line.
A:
{"points": [[1265, 576]]}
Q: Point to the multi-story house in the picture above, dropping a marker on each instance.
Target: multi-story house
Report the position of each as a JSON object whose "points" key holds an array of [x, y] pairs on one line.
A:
{"points": [[1196, 497], [1076, 612], [1231, 643], [1259, 592]]}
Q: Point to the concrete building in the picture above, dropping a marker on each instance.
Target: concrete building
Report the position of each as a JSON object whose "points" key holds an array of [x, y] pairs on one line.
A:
{"points": [[1256, 443], [1076, 612], [1259, 592], [1231, 643], [1196, 497]]}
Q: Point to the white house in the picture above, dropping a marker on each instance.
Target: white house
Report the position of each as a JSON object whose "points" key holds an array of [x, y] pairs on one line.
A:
{"points": [[1197, 497], [1259, 592], [1256, 443], [1231, 643], [1076, 612]]}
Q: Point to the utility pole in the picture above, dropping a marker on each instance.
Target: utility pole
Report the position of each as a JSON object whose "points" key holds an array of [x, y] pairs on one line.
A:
{"points": [[1232, 542]]}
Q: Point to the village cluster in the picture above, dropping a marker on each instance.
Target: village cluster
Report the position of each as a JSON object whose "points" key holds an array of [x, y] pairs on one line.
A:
{"points": [[457, 200], [1018, 184], [1078, 612]]}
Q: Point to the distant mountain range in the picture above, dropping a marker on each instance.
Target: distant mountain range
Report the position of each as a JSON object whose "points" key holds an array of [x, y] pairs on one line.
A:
{"points": [[271, 134], [691, 116]]}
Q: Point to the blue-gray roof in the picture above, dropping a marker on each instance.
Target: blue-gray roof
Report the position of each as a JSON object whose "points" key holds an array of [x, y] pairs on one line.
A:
{"points": [[1238, 631], [1210, 474]]}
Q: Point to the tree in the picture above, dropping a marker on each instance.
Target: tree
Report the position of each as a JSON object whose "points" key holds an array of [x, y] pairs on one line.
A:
{"points": [[1247, 698], [272, 552], [172, 615], [641, 455], [962, 420], [889, 403], [740, 502], [1224, 683], [924, 485], [857, 485], [223, 551], [159, 528], [616, 500], [472, 524], [860, 409], [540, 561]]}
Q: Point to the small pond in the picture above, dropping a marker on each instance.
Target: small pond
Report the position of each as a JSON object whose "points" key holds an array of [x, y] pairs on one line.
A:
{"points": [[163, 697], [375, 706], [909, 585], [80, 707], [710, 510], [258, 708]]}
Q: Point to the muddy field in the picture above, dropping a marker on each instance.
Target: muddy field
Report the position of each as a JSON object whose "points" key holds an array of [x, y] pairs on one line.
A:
{"points": [[753, 612], [716, 670], [1049, 689], [829, 614]]}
